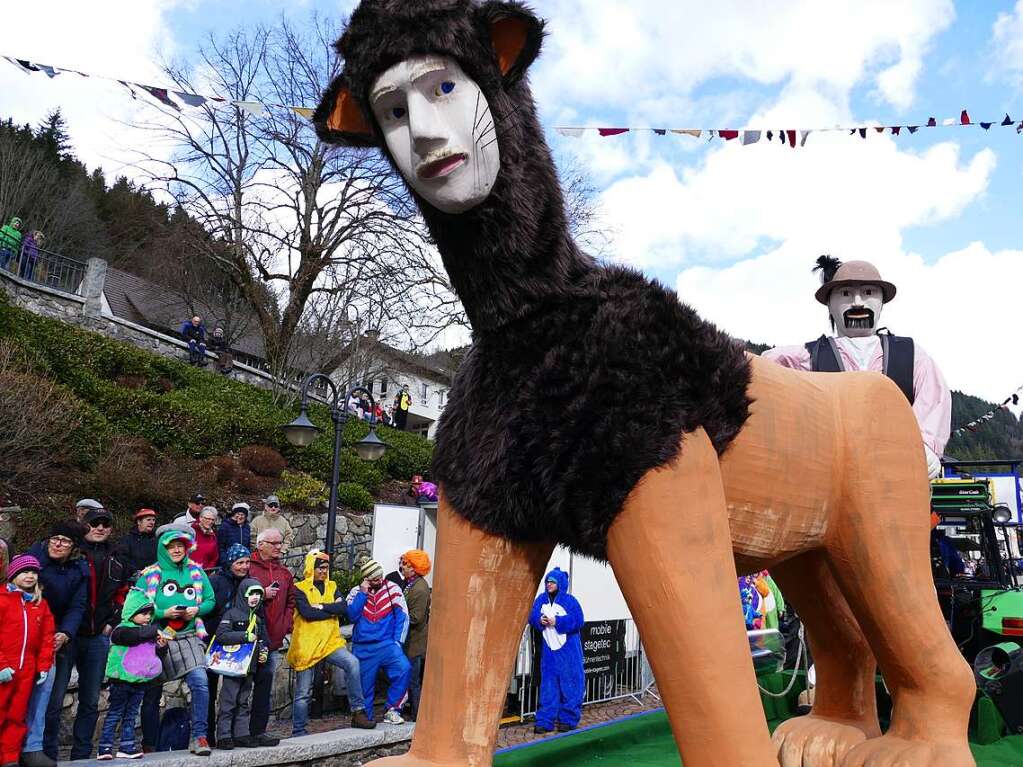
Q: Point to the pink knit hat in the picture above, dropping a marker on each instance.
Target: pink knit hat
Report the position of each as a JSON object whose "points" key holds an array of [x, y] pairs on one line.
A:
{"points": [[20, 564]]}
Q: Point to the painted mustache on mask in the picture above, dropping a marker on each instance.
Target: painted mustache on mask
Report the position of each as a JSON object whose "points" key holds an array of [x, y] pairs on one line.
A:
{"points": [[858, 317]]}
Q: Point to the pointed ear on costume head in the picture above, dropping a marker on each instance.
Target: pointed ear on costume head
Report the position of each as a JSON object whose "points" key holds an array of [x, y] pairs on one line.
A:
{"points": [[515, 34], [339, 118]]}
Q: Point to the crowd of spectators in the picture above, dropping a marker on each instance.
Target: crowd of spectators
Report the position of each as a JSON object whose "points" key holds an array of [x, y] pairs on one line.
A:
{"points": [[19, 251], [160, 604]]}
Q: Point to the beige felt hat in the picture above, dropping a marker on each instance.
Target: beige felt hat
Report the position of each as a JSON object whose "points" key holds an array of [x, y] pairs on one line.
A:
{"points": [[855, 273]]}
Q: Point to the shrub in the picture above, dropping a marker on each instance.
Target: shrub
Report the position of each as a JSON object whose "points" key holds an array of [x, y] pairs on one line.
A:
{"points": [[247, 482], [354, 496], [224, 468], [264, 461], [298, 489]]}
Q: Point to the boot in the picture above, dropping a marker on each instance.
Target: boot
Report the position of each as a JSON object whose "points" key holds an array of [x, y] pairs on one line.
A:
{"points": [[361, 721], [266, 741], [225, 744], [37, 759]]}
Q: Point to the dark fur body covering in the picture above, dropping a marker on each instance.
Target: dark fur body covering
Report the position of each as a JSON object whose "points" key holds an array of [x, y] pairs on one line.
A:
{"points": [[581, 378]]}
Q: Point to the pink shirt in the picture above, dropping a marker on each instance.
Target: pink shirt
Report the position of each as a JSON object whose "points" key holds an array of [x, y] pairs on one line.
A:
{"points": [[932, 399]]}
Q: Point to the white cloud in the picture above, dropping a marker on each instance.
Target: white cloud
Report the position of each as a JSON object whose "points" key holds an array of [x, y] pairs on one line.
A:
{"points": [[1007, 37], [605, 53], [115, 38]]}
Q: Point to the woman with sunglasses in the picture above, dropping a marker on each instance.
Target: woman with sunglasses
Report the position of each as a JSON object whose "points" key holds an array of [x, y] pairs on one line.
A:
{"points": [[64, 577]]}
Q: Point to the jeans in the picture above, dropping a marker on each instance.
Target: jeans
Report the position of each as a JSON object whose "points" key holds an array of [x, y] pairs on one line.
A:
{"points": [[197, 352], [415, 683], [340, 659], [261, 689], [89, 656], [196, 681], [151, 715], [125, 701], [35, 719]]}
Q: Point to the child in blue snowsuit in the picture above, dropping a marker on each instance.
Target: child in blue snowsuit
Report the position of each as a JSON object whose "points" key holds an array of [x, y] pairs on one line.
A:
{"points": [[380, 617], [558, 617]]}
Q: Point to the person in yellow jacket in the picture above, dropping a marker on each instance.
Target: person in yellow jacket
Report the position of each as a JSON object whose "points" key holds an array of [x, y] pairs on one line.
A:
{"points": [[316, 637]]}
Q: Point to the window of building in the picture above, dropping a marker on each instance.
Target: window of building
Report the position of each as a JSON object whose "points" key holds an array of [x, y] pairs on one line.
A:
{"points": [[426, 393], [383, 386]]}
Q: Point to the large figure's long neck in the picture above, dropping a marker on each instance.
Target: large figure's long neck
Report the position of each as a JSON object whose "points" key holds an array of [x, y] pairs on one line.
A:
{"points": [[513, 252]]}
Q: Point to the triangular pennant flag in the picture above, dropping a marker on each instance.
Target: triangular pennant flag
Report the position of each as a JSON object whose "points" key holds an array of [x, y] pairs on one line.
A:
{"points": [[879, 129], [750, 137], [948, 121], [48, 70], [964, 118], [160, 94], [931, 122], [192, 99], [803, 135], [852, 131], [305, 112], [896, 129], [863, 132], [792, 138], [612, 131], [770, 135], [27, 65], [1007, 120], [252, 107], [660, 131], [694, 132], [1019, 128], [14, 62], [728, 135], [913, 128], [985, 126], [571, 132]]}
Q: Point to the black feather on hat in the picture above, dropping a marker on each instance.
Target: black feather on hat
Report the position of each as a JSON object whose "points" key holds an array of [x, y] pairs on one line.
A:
{"points": [[827, 266]]}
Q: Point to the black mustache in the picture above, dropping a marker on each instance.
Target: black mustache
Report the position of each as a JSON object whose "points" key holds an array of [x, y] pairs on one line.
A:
{"points": [[857, 323]]}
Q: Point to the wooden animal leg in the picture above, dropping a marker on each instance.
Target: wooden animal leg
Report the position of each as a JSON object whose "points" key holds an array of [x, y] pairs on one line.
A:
{"points": [[878, 548], [845, 709], [671, 552], [482, 591]]}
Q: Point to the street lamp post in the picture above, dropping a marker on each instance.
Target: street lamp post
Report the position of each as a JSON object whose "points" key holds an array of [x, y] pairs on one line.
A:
{"points": [[302, 432]]}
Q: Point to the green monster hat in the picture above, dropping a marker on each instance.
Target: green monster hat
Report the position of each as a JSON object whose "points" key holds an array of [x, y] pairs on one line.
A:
{"points": [[135, 602]]}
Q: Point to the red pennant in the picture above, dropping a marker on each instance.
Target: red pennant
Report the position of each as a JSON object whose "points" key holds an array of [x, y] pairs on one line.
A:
{"points": [[964, 118], [612, 131], [792, 138], [728, 135], [880, 129]]}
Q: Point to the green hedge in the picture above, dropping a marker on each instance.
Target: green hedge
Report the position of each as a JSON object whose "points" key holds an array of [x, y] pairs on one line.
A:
{"points": [[185, 411]]}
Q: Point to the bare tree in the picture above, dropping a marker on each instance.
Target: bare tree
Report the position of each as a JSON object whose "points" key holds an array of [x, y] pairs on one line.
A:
{"points": [[582, 207], [299, 227]]}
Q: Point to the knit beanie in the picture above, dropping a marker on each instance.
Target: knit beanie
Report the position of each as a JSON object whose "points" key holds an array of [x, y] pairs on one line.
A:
{"points": [[20, 564], [371, 569], [235, 552], [419, 560]]}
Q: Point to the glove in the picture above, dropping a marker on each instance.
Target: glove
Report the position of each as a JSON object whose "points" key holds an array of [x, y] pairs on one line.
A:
{"points": [[933, 463], [250, 637], [264, 656], [42, 677], [6, 674]]}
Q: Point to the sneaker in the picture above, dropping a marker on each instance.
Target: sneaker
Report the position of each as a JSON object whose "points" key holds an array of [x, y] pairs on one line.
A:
{"points": [[37, 759], [393, 717], [199, 747], [131, 753], [105, 755], [264, 741], [361, 721], [538, 730], [225, 744], [244, 741], [565, 727]]}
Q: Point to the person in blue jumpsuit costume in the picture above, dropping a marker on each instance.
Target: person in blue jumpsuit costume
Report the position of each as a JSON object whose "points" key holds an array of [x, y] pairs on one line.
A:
{"points": [[558, 617]]}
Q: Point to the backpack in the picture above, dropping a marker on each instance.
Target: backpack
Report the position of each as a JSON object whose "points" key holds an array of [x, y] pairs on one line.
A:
{"points": [[175, 729]]}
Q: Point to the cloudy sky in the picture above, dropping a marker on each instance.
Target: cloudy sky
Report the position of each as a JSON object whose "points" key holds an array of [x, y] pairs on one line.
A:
{"points": [[734, 229]]}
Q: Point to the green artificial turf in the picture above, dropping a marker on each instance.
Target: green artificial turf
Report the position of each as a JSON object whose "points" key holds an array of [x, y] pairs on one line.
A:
{"points": [[646, 741]]}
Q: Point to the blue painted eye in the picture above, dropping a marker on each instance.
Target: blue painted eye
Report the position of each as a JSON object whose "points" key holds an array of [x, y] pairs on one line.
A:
{"points": [[398, 112], [445, 88]]}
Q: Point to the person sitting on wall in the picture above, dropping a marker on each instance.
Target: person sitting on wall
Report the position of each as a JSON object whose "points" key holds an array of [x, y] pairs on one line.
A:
{"points": [[423, 492], [220, 347], [558, 616], [855, 295], [193, 333]]}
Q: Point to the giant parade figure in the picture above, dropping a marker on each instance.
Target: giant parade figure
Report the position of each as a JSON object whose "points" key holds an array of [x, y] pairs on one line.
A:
{"points": [[737, 461], [855, 295]]}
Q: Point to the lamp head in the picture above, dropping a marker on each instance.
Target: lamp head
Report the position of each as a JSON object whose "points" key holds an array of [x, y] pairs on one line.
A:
{"points": [[301, 432]]}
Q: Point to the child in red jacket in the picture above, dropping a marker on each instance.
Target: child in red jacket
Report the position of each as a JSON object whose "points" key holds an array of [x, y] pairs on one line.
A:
{"points": [[26, 651]]}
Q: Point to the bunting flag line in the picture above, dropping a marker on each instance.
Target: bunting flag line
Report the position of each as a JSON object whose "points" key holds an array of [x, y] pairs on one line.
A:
{"points": [[1012, 399], [793, 137]]}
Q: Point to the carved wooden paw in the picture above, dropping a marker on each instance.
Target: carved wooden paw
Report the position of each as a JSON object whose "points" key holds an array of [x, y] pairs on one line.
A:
{"points": [[892, 751], [810, 741]]}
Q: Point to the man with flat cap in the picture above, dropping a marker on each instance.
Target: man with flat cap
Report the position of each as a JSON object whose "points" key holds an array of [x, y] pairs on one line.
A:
{"points": [[855, 295]]}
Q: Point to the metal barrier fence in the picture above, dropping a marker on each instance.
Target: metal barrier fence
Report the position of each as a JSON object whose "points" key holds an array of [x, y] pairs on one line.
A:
{"points": [[619, 671], [44, 267]]}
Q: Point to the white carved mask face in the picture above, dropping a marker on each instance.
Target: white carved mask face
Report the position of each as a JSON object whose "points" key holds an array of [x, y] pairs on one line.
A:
{"points": [[856, 310], [439, 129]]}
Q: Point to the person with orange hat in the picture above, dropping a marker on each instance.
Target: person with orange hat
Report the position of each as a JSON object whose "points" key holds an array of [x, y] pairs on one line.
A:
{"points": [[414, 566], [137, 549], [855, 295]]}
